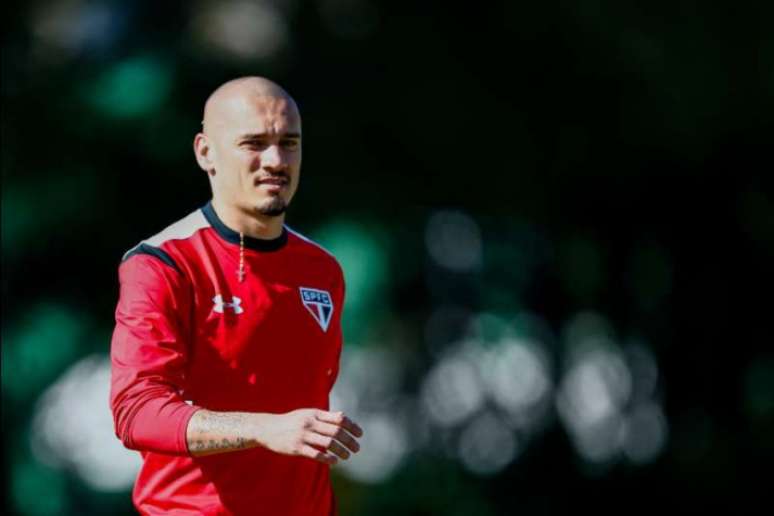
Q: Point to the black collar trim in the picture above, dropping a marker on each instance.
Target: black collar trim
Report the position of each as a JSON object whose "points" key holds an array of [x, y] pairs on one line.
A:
{"points": [[229, 235]]}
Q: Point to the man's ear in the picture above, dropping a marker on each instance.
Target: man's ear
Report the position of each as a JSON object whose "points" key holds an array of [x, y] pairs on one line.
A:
{"points": [[205, 154]]}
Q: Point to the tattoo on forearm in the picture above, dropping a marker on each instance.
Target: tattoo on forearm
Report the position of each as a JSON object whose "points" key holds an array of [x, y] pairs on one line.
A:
{"points": [[239, 443], [218, 432]]}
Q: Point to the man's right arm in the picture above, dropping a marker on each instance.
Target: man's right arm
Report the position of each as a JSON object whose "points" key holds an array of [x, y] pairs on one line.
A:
{"points": [[148, 356], [313, 433]]}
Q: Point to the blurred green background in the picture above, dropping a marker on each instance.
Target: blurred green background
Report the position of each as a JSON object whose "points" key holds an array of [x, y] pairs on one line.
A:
{"points": [[556, 221]]}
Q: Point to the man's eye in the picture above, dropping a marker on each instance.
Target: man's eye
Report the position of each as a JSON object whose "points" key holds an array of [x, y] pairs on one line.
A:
{"points": [[290, 144], [255, 144]]}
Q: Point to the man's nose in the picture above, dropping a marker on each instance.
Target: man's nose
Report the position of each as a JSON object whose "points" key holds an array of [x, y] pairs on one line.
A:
{"points": [[272, 158]]}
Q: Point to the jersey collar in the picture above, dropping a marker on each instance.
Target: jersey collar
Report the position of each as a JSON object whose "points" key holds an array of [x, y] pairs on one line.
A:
{"points": [[229, 235]]}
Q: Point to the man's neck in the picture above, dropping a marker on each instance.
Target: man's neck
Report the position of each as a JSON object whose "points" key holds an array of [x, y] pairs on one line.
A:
{"points": [[251, 224]]}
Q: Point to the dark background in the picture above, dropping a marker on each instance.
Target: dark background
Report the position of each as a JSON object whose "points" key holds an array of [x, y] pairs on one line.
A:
{"points": [[614, 158]]}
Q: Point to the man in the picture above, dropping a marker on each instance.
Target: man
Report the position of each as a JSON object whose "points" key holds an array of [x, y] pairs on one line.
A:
{"points": [[228, 332]]}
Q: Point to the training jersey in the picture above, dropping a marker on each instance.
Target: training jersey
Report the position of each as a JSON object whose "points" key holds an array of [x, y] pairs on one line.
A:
{"points": [[189, 335]]}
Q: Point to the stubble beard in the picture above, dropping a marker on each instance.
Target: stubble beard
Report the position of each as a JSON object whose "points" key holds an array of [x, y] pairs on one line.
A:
{"points": [[273, 207]]}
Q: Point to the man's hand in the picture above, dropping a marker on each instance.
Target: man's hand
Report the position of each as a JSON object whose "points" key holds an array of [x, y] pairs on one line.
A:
{"points": [[317, 434]]}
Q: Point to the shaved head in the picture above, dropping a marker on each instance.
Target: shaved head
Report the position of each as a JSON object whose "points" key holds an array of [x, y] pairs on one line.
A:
{"points": [[230, 99], [250, 147]]}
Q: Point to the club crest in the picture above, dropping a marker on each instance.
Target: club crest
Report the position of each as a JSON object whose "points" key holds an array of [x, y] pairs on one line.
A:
{"points": [[319, 304]]}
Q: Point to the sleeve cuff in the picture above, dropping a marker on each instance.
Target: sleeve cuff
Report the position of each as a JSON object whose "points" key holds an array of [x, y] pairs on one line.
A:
{"points": [[182, 428]]}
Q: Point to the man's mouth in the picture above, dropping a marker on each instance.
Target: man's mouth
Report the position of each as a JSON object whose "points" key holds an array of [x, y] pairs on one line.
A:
{"points": [[278, 181]]}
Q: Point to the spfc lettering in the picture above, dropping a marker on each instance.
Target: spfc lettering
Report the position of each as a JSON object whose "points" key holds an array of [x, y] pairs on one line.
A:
{"points": [[319, 304]]}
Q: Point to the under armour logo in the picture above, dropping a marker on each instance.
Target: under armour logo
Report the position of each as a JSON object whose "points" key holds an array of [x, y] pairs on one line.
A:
{"points": [[234, 304]]}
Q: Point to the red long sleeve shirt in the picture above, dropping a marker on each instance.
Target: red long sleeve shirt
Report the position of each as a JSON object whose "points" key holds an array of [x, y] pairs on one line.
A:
{"points": [[190, 335]]}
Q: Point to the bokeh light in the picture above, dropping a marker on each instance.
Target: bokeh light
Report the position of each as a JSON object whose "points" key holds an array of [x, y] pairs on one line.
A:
{"points": [[644, 433], [519, 380], [368, 391], [25, 485], [487, 445], [383, 447], [362, 254], [453, 390], [454, 241], [608, 395], [135, 87], [64, 29], [72, 428], [241, 30], [39, 347]]}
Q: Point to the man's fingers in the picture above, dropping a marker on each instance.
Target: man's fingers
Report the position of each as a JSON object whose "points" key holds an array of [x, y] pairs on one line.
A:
{"points": [[312, 453], [352, 427], [339, 450], [330, 417], [338, 433], [328, 443], [338, 418]]}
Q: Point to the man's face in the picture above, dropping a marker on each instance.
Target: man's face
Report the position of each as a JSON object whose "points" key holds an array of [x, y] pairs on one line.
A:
{"points": [[256, 153]]}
